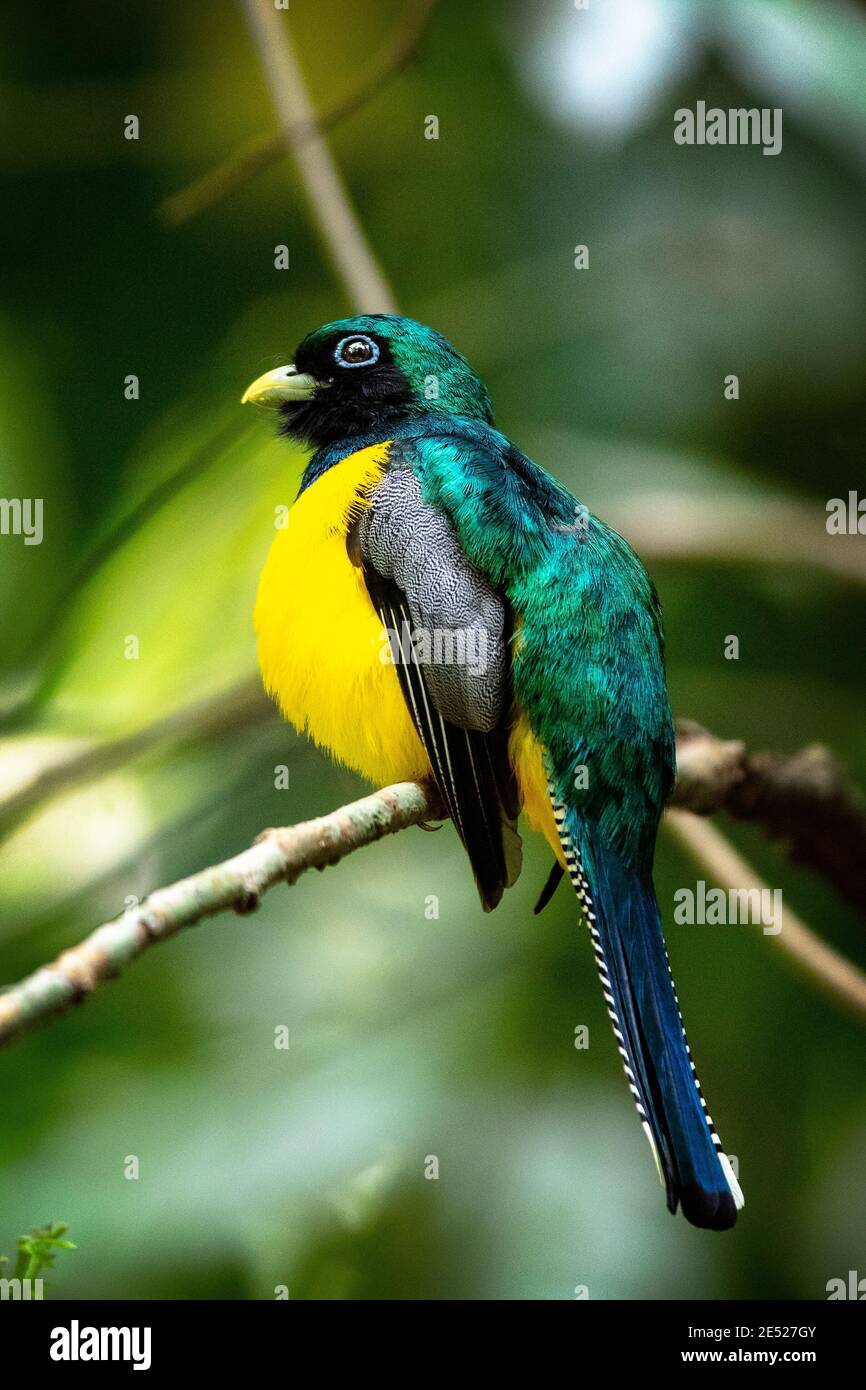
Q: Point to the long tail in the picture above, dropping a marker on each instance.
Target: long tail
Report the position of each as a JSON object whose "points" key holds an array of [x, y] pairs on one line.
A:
{"points": [[623, 918]]}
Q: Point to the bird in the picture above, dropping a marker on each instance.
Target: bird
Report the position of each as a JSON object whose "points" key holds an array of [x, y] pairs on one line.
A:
{"points": [[440, 607]]}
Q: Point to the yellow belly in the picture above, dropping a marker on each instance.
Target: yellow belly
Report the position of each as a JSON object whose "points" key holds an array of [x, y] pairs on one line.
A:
{"points": [[320, 639], [321, 644]]}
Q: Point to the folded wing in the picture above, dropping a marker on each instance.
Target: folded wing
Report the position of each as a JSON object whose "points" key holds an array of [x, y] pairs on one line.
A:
{"points": [[449, 632]]}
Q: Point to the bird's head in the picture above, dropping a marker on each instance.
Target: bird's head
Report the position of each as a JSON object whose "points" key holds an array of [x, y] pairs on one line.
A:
{"points": [[359, 375]]}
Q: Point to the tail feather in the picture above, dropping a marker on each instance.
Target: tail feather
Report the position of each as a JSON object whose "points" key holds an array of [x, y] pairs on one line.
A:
{"points": [[623, 918]]}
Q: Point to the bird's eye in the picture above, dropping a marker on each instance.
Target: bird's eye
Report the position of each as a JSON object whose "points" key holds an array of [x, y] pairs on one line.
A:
{"points": [[357, 351]]}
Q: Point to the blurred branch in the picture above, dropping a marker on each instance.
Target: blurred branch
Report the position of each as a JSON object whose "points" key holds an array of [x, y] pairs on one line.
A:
{"points": [[51, 637], [807, 801], [204, 192], [231, 710], [278, 856], [667, 526], [354, 262], [833, 974], [331, 207], [364, 281]]}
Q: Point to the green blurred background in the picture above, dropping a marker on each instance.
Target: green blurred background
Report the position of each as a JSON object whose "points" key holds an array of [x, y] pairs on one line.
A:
{"points": [[409, 1037]]}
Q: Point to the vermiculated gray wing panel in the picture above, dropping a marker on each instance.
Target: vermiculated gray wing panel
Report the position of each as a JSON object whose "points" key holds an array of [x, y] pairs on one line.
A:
{"points": [[449, 636], [459, 622]]}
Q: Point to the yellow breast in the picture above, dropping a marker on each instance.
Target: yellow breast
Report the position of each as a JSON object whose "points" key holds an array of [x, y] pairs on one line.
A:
{"points": [[321, 643]]}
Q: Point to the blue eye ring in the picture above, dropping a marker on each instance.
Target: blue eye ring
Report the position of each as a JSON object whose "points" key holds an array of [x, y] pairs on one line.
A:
{"points": [[356, 338]]}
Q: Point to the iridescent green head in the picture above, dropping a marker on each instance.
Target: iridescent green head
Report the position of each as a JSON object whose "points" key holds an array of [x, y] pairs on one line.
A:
{"points": [[359, 375]]}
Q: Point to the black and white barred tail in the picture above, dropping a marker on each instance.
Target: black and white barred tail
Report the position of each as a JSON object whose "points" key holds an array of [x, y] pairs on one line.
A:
{"points": [[623, 918]]}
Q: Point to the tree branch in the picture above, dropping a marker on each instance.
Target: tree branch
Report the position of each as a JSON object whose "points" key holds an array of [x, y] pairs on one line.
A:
{"points": [[330, 205], [278, 856], [259, 154], [806, 801], [833, 974]]}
